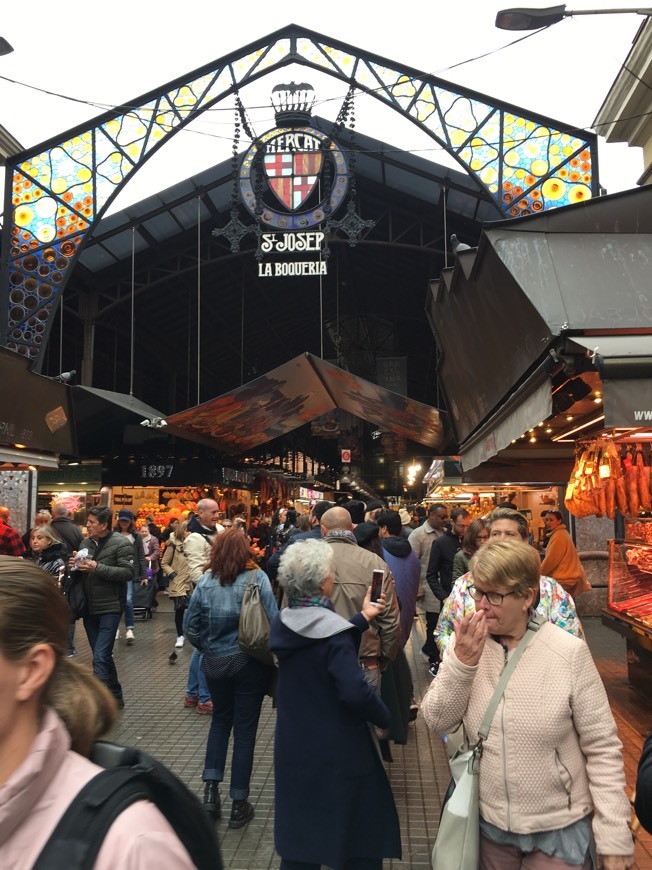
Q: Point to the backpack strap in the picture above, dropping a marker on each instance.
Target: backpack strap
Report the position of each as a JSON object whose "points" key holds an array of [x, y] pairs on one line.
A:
{"points": [[78, 838]]}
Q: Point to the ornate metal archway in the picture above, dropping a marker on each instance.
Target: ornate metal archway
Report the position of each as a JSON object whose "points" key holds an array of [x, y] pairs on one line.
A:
{"points": [[58, 191]]}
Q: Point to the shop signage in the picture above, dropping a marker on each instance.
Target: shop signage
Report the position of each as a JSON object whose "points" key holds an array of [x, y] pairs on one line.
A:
{"points": [[292, 178], [123, 499], [346, 455], [627, 403], [178, 473], [238, 475], [310, 494]]}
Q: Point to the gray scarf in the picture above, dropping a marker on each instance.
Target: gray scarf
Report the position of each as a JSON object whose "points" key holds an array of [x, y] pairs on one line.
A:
{"points": [[341, 535]]}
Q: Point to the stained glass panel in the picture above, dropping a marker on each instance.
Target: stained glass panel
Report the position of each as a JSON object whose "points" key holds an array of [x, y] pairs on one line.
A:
{"points": [[525, 164]]}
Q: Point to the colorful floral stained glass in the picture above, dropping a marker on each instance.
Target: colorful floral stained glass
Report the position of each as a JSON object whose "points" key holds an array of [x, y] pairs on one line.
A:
{"points": [[526, 164]]}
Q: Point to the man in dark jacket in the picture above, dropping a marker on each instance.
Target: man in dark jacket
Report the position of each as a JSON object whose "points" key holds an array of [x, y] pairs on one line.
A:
{"points": [[108, 566], [69, 533], [405, 567], [439, 575]]}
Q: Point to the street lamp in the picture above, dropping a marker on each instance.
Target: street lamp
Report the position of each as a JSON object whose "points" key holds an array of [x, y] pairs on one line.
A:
{"points": [[533, 19]]}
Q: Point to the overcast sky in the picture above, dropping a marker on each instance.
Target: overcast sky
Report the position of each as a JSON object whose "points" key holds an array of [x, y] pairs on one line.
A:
{"points": [[110, 53]]}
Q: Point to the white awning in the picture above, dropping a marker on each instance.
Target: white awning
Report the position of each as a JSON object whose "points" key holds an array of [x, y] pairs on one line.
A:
{"points": [[529, 413], [616, 345], [25, 457]]}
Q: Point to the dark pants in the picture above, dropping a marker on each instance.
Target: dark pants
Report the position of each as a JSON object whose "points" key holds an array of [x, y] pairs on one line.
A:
{"points": [[100, 631], [351, 864], [178, 620], [430, 647], [236, 706]]}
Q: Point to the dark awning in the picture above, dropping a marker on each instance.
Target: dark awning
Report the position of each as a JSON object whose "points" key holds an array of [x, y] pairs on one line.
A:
{"points": [[102, 415], [296, 393], [503, 307], [34, 412]]}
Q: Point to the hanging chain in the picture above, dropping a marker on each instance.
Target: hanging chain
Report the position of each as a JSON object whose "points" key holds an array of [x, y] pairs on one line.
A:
{"points": [[246, 126]]}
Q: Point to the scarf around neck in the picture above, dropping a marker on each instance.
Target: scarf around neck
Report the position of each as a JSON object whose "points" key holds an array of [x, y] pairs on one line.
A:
{"points": [[341, 535]]}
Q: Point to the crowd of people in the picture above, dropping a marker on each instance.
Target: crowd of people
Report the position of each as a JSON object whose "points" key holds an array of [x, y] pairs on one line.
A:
{"points": [[551, 782]]}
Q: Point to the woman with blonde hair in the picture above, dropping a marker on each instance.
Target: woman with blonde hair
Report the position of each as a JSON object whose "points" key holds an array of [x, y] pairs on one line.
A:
{"points": [[551, 776], [51, 712], [49, 551]]}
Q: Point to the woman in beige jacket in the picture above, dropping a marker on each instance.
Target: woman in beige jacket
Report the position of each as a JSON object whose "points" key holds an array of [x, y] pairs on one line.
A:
{"points": [[551, 776], [175, 568], [51, 712]]}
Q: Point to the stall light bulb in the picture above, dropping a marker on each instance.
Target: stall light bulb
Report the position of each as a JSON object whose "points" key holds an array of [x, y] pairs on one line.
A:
{"points": [[533, 440], [548, 430], [597, 400], [569, 417]]}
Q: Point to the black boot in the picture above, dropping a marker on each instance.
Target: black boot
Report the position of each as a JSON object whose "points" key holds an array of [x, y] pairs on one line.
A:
{"points": [[241, 813], [212, 799]]}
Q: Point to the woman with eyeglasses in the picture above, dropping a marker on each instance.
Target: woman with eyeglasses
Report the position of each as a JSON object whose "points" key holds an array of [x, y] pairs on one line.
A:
{"points": [[551, 780]]}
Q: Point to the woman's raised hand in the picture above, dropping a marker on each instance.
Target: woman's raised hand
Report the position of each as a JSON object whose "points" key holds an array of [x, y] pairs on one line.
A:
{"points": [[470, 636]]}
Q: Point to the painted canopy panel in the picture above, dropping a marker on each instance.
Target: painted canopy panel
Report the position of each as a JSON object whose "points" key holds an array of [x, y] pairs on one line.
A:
{"points": [[296, 393]]}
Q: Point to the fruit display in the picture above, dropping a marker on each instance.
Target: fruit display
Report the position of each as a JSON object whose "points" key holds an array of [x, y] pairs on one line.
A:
{"points": [[608, 476]]}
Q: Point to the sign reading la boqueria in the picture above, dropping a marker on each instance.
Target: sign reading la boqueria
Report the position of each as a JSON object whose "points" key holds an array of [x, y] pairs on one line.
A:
{"points": [[291, 179]]}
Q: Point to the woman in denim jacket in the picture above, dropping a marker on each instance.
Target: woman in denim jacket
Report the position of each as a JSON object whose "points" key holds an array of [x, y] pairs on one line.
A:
{"points": [[237, 682]]}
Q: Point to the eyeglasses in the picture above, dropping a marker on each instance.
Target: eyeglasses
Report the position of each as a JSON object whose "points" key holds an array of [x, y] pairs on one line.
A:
{"points": [[494, 598]]}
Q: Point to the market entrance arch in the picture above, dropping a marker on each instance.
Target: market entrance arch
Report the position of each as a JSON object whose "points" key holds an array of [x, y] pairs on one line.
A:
{"points": [[56, 193]]}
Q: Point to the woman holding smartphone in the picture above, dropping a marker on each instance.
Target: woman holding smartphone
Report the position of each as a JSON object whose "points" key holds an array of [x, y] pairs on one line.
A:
{"points": [[324, 702]]}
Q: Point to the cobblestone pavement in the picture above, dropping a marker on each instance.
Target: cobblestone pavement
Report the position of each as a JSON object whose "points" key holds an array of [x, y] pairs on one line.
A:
{"points": [[156, 720]]}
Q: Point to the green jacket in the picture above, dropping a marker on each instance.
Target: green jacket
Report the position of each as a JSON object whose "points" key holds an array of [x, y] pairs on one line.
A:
{"points": [[106, 587]]}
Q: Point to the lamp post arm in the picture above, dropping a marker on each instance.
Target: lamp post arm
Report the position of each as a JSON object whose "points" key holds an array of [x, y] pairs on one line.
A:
{"points": [[571, 12]]}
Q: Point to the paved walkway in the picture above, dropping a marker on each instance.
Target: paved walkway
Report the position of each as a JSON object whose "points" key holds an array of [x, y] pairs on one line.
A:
{"points": [[156, 720]]}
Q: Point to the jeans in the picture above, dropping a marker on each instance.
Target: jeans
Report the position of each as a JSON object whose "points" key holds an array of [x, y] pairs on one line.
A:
{"points": [[236, 706], [129, 605], [100, 631], [373, 678], [197, 687]]}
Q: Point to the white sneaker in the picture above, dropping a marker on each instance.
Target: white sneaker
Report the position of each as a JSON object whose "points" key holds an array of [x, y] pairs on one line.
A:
{"points": [[179, 642], [129, 636]]}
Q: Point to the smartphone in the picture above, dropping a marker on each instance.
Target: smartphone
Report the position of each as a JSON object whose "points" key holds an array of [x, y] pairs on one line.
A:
{"points": [[377, 583]]}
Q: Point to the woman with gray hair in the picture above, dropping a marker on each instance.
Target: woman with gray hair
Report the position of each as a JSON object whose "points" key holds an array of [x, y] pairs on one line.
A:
{"points": [[350, 821]]}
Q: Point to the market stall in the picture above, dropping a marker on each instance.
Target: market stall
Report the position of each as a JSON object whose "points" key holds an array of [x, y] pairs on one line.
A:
{"points": [[611, 477]]}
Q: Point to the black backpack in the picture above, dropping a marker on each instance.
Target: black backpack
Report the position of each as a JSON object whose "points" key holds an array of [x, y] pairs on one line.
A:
{"points": [[129, 776]]}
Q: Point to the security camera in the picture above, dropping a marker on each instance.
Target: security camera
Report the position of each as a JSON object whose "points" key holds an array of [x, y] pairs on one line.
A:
{"points": [[146, 423], [162, 424]]}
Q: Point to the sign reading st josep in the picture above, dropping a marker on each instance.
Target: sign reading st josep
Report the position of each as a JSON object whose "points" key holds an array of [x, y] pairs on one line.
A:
{"points": [[291, 179]]}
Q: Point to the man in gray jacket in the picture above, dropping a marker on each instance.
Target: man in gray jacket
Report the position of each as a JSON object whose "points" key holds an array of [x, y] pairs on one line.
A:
{"points": [[108, 567], [354, 567]]}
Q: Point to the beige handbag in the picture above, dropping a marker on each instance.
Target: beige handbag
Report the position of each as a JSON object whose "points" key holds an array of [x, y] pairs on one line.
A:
{"points": [[253, 628]]}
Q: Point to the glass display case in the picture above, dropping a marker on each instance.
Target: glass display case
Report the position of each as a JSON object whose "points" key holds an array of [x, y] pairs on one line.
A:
{"points": [[629, 609]]}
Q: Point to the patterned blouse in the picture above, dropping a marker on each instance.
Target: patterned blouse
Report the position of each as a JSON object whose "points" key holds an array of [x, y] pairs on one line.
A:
{"points": [[555, 605]]}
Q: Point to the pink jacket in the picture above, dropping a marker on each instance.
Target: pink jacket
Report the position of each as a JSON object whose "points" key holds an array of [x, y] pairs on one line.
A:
{"points": [[552, 755], [35, 797]]}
